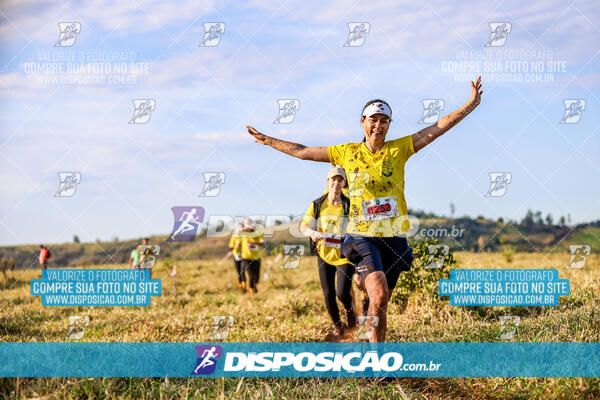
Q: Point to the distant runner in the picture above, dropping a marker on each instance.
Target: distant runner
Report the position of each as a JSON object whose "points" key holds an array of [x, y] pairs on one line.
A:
{"points": [[236, 251], [250, 245], [135, 257], [147, 256], [375, 241], [324, 224], [44, 256]]}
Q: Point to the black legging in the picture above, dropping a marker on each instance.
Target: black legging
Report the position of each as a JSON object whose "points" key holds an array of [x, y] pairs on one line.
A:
{"points": [[253, 269], [240, 271], [327, 273]]}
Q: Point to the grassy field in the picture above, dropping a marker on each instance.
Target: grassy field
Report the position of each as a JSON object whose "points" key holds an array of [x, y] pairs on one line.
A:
{"points": [[289, 307]]}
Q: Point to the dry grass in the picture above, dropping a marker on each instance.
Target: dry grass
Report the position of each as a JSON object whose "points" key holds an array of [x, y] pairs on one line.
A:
{"points": [[289, 307]]}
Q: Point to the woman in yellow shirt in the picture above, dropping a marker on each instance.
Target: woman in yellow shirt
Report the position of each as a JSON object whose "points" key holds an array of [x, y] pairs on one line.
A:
{"points": [[375, 241], [324, 224], [250, 244], [236, 251]]}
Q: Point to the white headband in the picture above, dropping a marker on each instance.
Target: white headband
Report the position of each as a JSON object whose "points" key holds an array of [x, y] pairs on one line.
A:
{"points": [[377, 108]]}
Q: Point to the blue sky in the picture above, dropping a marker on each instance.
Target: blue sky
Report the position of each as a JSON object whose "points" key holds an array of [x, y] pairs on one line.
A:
{"points": [[132, 174]]}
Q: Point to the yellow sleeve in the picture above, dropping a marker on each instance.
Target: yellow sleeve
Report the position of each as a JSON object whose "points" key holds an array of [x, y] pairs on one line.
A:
{"points": [[309, 216], [336, 154], [411, 147], [403, 147], [231, 242]]}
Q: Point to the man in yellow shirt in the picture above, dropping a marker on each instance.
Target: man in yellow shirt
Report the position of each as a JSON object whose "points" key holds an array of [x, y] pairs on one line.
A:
{"points": [[375, 240], [324, 223], [250, 244]]}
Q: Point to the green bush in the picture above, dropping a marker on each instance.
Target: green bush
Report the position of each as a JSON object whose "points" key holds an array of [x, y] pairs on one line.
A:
{"points": [[419, 277], [272, 249], [167, 264], [508, 253], [4, 267]]}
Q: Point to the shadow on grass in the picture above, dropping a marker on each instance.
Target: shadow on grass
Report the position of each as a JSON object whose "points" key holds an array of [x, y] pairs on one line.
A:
{"points": [[492, 313], [13, 283], [284, 286], [10, 326]]}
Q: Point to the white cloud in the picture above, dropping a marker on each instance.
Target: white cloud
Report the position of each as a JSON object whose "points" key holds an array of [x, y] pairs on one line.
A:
{"points": [[222, 137], [122, 18], [205, 97]]}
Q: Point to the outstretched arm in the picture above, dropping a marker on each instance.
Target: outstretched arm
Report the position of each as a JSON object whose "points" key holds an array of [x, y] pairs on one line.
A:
{"points": [[229, 253], [293, 149], [429, 134], [314, 235]]}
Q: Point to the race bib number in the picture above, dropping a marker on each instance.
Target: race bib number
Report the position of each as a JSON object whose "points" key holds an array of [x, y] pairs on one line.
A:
{"points": [[381, 208], [330, 240], [252, 246]]}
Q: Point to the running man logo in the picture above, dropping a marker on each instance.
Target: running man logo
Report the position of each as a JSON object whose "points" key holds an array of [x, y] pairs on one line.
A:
{"points": [[437, 256], [573, 110], [358, 33], [68, 33], [508, 326], [68, 183], [499, 34], [287, 110], [579, 255], [221, 326], [293, 253], [207, 359], [366, 326], [431, 110], [77, 326], [356, 183], [148, 255], [186, 221], [499, 182], [212, 184], [142, 109], [212, 34]]}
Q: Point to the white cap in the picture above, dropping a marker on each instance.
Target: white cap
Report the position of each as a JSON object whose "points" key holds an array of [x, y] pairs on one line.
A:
{"points": [[249, 224], [337, 171], [377, 108]]}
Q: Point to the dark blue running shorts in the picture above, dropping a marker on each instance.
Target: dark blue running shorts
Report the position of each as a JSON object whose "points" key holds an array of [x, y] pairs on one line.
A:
{"points": [[391, 255]]}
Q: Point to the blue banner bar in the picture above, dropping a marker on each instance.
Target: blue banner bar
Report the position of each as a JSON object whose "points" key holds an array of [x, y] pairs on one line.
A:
{"points": [[504, 287], [95, 287], [300, 359]]}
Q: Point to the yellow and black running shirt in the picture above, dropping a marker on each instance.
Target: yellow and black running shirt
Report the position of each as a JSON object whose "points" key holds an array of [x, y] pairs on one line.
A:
{"points": [[250, 244], [235, 244], [329, 223], [375, 186]]}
